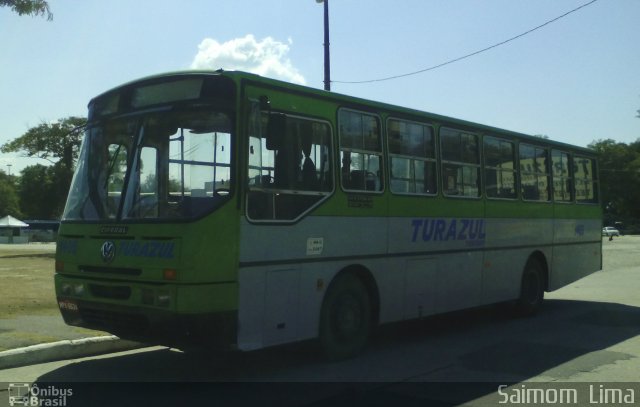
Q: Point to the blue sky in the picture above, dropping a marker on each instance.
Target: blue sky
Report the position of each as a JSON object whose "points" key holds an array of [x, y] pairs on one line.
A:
{"points": [[576, 80]]}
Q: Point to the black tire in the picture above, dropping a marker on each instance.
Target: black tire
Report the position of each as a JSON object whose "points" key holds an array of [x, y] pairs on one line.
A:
{"points": [[531, 289], [345, 318]]}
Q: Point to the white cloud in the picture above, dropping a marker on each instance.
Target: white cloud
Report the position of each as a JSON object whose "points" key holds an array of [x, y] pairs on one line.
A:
{"points": [[266, 57]]}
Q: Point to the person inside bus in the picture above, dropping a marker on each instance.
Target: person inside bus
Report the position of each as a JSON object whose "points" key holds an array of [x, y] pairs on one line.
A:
{"points": [[285, 166], [308, 173]]}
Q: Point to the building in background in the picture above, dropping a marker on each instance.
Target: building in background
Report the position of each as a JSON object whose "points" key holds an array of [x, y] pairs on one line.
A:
{"points": [[11, 230]]}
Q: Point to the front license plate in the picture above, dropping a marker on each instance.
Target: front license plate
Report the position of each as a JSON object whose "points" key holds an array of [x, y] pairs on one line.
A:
{"points": [[68, 305]]}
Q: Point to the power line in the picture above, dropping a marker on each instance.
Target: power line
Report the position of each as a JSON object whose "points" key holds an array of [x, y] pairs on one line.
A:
{"points": [[473, 53]]}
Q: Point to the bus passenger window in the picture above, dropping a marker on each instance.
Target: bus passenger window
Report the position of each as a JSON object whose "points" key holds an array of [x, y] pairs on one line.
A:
{"points": [[360, 151], [412, 157], [289, 173], [586, 179], [460, 163], [562, 181], [500, 168], [534, 173]]}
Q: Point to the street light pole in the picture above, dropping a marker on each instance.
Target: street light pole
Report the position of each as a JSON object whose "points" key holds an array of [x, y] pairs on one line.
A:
{"points": [[327, 64], [9, 169]]}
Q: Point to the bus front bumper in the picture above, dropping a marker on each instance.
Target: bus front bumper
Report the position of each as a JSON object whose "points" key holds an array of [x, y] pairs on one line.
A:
{"points": [[152, 326]]}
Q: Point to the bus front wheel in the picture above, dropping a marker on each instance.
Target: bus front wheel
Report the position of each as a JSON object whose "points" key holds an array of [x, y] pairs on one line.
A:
{"points": [[345, 318], [531, 289]]}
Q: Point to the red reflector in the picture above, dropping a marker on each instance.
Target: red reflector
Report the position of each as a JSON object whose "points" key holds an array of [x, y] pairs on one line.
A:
{"points": [[169, 274]]}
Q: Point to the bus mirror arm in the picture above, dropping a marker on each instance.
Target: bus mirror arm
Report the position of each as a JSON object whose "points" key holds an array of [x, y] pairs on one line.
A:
{"points": [[265, 104]]}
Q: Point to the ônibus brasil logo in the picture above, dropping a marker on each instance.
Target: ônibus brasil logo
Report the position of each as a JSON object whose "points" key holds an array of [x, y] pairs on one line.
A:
{"points": [[25, 394]]}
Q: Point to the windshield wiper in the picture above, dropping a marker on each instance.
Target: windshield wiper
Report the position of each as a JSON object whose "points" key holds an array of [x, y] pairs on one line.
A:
{"points": [[112, 164]]}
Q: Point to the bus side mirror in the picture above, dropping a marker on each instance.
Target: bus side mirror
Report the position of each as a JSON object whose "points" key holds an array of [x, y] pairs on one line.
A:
{"points": [[276, 129]]}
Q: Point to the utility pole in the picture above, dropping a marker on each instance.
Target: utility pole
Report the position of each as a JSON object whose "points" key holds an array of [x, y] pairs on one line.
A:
{"points": [[327, 64]]}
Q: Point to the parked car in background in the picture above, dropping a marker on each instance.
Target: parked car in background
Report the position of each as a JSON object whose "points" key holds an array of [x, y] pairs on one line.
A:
{"points": [[610, 231]]}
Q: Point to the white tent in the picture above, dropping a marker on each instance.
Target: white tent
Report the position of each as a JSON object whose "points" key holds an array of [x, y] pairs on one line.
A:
{"points": [[7, 234], [11, 222]]}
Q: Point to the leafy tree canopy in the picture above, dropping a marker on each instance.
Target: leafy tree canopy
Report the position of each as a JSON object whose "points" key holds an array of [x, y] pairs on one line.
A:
{"points": [[9, 204], [43, 190], [37, 197], [29, 7], [49, 141], [619, 177]]}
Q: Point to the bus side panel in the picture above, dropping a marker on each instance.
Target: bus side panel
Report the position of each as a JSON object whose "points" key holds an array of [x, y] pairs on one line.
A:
{"points": [[279, 304], [510, 243], [459, 281], [312, 239], [502, 273], [420, 287], [577, 251], [285, 270], [443, 266], [269, 306]]}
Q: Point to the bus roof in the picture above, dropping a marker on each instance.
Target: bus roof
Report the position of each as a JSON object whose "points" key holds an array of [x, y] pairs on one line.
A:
{"points": [[240, 76]]}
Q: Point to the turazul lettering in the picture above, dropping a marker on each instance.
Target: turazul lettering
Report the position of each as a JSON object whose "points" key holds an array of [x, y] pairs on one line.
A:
{"points": [[162, 250], [434, 230]]}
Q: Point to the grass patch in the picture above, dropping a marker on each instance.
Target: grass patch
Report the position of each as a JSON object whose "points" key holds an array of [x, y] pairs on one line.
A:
{"points": [[27, 289], [30, 338], [27, 282]]}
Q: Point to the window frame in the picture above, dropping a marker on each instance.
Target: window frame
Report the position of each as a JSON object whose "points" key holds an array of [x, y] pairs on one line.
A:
{"points": [[595, 181], [486, 167], [477, 166], [380, 154], [292, 192], [563, 178], [547, 173], [413, 158]]}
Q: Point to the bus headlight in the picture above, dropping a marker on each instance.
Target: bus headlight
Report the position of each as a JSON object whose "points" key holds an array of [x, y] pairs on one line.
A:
{"points": [[78, 289], [161, 298], [66, 289], [75, 289]]}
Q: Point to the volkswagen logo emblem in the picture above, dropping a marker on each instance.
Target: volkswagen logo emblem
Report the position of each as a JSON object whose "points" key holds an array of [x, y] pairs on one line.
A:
{"points": [[108, 251]]}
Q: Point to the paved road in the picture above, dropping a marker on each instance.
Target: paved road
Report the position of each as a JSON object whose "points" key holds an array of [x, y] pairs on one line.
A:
{"points": [[587, 332]]}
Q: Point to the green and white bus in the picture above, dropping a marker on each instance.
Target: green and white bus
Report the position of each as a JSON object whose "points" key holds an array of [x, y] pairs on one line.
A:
{"points": [[231, 210]]}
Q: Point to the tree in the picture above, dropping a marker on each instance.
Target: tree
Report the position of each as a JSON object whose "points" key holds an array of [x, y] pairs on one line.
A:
{"points": [[49, 141], [58, 143], [36, 192], [29, 7], [619, 177], [9, 203]]}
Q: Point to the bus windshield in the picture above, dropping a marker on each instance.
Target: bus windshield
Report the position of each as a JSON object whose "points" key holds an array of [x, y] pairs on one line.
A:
{"points": [[167, 163]]}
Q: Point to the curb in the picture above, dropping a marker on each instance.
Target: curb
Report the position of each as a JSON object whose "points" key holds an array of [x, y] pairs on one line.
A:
{"points": [[67, 349]]}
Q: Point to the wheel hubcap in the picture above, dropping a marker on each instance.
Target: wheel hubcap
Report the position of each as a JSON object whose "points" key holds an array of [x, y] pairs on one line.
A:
{"points": [[348, 317]]}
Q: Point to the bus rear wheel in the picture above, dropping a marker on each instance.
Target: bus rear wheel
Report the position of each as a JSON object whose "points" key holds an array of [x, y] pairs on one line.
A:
{"points": [[345, 318], [531, 289]]}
